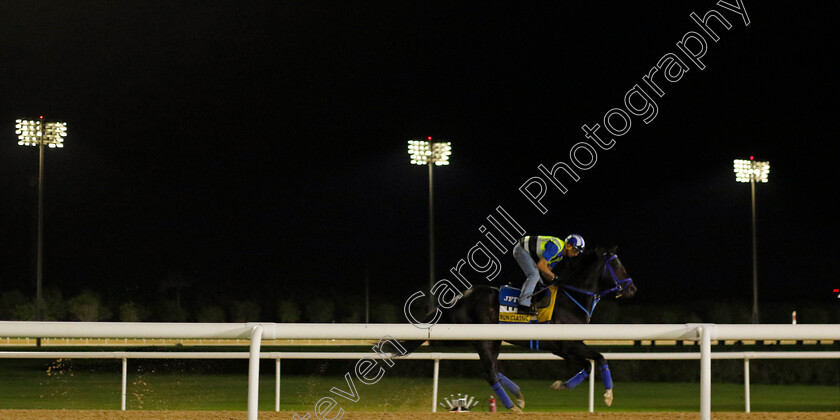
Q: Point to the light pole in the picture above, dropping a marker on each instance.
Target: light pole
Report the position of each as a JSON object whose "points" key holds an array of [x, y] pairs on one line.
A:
{"points": [[429, 153], [40, 133], [753, 171]]}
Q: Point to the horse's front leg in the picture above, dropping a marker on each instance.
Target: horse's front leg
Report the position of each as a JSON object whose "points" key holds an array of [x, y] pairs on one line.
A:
{"points": [[607, 378], [574, 361], [577, 354], [604, 368]]}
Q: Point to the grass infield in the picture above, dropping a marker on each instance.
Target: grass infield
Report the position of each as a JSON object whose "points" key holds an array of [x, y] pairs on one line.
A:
{"points": [[40, 384]]}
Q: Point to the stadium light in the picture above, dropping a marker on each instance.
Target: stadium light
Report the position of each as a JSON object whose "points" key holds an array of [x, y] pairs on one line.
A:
{"points": [[429, 153], [753, 171], [35, 133], [41, 134], [426, 152]]}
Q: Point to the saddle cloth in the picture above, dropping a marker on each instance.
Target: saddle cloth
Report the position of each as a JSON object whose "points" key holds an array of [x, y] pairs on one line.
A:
{"points": [[509, 299]]}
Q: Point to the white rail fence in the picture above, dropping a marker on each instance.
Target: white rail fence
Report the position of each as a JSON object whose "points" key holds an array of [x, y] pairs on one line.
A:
{"points": [[704, 333]]}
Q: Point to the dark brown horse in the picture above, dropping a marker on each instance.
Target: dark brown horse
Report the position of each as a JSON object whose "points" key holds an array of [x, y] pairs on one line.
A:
{"points": [[583, 281]]}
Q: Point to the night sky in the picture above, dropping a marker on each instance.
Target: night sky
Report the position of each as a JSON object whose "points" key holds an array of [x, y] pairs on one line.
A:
{"points": [[257, 150]]}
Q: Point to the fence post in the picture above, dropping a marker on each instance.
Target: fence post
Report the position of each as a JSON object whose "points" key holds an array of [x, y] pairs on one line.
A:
{"points": [[705, 372], [746, 384], [435, 376], [124, 374], [254, 372], [592, 387], [277, 384]]}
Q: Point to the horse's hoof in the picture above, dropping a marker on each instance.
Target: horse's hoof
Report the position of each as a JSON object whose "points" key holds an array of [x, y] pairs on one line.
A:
{"points": [[520, 401], [517, 410], [608, 397], [558, 385]]}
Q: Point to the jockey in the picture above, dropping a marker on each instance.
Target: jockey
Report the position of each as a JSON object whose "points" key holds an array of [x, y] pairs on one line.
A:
{"points": [[537, 255]]}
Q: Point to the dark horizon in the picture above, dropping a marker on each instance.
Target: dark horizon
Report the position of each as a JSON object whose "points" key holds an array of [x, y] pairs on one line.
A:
{"points": [[259, 151]]}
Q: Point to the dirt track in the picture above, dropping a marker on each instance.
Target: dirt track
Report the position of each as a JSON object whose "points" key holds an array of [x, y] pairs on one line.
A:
{"points": [[229, 415]]}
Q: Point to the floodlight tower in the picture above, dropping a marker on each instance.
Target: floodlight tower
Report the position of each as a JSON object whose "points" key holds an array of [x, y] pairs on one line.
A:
{"points": [[753, 171], [429, 153], [40, 134]]}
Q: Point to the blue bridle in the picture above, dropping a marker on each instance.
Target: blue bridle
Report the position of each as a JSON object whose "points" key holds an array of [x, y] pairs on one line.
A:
{"points": [[618, 289]]}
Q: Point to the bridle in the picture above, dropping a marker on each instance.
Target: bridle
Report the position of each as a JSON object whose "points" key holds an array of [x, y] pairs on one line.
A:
{"points": [[620, 284], [618, 289]]}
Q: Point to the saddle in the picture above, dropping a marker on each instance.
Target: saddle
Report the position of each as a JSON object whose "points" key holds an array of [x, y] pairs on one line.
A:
{"points": [[509, 299]]}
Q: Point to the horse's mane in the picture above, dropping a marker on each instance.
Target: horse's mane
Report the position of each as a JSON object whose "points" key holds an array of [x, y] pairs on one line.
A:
{"points": [[572, 270], [600, 250]]}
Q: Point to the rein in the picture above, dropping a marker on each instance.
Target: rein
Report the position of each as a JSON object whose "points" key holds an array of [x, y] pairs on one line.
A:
{"points": [[618, 289]]}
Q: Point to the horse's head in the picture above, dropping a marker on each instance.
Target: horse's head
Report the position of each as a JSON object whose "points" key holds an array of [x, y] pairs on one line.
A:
{"points": [[599, 271], [615, 278]]}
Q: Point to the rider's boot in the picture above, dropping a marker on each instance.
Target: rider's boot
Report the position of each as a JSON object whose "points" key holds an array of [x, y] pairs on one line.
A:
{"points": [[527, 310]]}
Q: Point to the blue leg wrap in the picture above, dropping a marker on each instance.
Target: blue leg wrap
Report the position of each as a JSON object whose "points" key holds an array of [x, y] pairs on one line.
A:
{"points": [[605, 375], [508, 384], [503, 396], [577, 379]]}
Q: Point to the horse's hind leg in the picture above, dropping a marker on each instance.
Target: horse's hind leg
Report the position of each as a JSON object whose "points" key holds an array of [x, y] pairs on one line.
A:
{"points": [[488, 353], [513, 388]]}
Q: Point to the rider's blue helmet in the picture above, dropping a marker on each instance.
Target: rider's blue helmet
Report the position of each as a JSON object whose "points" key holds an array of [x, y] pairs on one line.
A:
{"points": [[576, 241]]}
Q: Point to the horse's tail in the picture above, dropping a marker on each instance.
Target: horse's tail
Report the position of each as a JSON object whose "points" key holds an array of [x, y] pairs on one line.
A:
{"points": [[411, 345], [474, 307]]}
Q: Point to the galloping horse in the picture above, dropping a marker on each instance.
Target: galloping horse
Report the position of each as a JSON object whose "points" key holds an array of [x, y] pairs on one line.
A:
{"points": [[584, 280]]}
